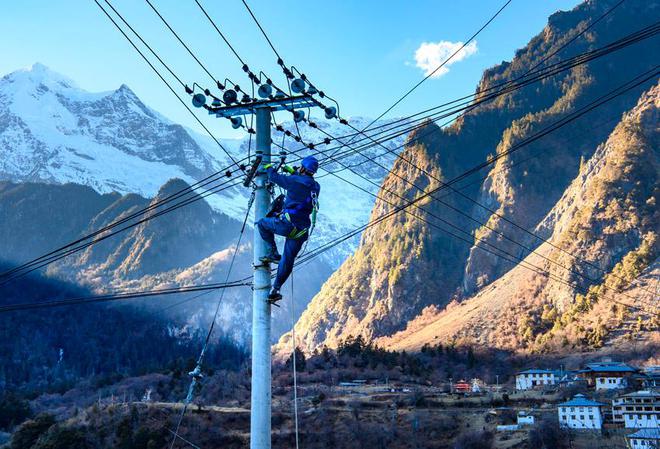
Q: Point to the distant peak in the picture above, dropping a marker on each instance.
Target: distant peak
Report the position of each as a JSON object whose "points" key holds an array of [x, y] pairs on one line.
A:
{"points": [[39, 73], [39, 67], [172, 186], [127, 92]]}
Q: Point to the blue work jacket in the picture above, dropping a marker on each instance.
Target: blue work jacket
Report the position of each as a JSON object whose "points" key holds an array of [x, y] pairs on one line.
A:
{"points": [[298, 202]]}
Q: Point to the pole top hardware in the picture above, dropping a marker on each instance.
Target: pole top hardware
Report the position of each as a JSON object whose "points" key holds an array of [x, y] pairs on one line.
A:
{"points": [[275, 104]]}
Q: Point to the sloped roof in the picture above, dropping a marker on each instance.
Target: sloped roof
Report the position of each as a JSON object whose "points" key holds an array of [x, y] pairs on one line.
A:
{"points": [[643, 394], [649, 434], [537, 371], [610, 367], [581, 401]]}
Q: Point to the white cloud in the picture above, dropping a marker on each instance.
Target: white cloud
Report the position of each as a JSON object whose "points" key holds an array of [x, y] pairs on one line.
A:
{"points": [[430, 55]]}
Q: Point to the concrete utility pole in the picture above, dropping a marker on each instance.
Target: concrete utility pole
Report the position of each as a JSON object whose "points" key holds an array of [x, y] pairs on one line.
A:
{"points": [[261, 363], [231, 108]]}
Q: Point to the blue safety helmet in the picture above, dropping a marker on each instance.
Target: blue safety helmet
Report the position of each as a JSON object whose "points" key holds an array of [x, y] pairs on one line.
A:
{"points": [[310, 164]]}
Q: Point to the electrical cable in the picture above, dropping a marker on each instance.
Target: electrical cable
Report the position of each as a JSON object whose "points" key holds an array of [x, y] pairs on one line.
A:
{"points": [[527, 79], [469, 216], [611, 95], [294, 356], [573, 62], [262, 30], [196, 374], [463, 45], [68, 252], [181, 41], [221, 34], [165, 200], [166, 83], [146, 45], [118, 297], [153, 205]]}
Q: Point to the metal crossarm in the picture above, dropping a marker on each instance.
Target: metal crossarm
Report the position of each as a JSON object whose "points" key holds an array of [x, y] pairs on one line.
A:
{"points": [[285, 103]]}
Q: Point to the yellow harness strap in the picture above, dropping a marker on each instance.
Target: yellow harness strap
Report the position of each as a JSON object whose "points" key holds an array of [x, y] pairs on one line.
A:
{"points": [[295, 233]]}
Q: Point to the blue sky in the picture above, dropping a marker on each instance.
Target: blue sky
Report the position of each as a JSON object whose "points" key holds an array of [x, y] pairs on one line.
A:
{"points": [[360, 52]]}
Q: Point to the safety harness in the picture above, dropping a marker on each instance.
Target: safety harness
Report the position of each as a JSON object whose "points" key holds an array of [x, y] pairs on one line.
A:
{"points": [[295, 233], [298, 233], [277, 206]]}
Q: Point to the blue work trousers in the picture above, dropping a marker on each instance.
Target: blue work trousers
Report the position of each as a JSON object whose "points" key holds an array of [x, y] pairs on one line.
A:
{"points": [[268, 227]]}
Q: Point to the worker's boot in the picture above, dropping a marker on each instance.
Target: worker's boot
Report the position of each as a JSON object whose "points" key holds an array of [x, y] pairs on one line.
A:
{"points": [[272, 257], [274, 295]]}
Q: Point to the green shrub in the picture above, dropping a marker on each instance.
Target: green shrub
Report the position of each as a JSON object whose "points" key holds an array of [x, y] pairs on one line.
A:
{"points": [[13, 411], [63, 438], [28, 434]]}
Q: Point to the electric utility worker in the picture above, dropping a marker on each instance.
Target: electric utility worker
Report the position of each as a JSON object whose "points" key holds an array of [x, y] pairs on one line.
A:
{"points": [[293, 221]]}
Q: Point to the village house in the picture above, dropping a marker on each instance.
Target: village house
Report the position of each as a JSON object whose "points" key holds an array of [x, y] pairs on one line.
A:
{"points": [[651, 376], [462, 386], [644, 439], [640, 409], [524, 419], [581, 413], [533, 378], [607, 375]]}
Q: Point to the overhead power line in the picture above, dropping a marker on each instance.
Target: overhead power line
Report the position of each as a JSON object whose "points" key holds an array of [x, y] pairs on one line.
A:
{"points": [[409, 162], [166, 83], [466, 103], [117, 297], [143, 211], [54, 255], [196, 373], [526, 247], [76, 248], [558, 124], [442, 64], [560, 66], [262, 30], [639, 80], [181, 41], [224, 38], [523, 81]]}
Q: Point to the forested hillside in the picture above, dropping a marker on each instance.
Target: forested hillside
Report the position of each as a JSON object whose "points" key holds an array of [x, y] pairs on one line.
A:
{"points": [[601, 286], [53, 350], [404, 265]]}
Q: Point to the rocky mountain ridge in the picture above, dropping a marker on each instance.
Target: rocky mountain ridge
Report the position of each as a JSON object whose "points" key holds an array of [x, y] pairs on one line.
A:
{"points": [[188, 246], [403, 266], [604, 227]]}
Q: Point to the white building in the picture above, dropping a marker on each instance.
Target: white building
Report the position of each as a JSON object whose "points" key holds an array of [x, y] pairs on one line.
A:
{"points": [[524, 419], [651, 376], [533, 378], [610, 383], [608, 375], [640, 409], [644, 439], [477, 386], [617, 411], [580, 413]]}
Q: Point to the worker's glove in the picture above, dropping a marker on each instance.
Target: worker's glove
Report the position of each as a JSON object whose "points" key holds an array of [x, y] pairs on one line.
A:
{"points": [[288, 169], [267, 166]]}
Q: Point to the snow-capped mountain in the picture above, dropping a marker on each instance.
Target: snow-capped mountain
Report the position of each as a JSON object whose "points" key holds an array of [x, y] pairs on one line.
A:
{"points": [[53, 131]]}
